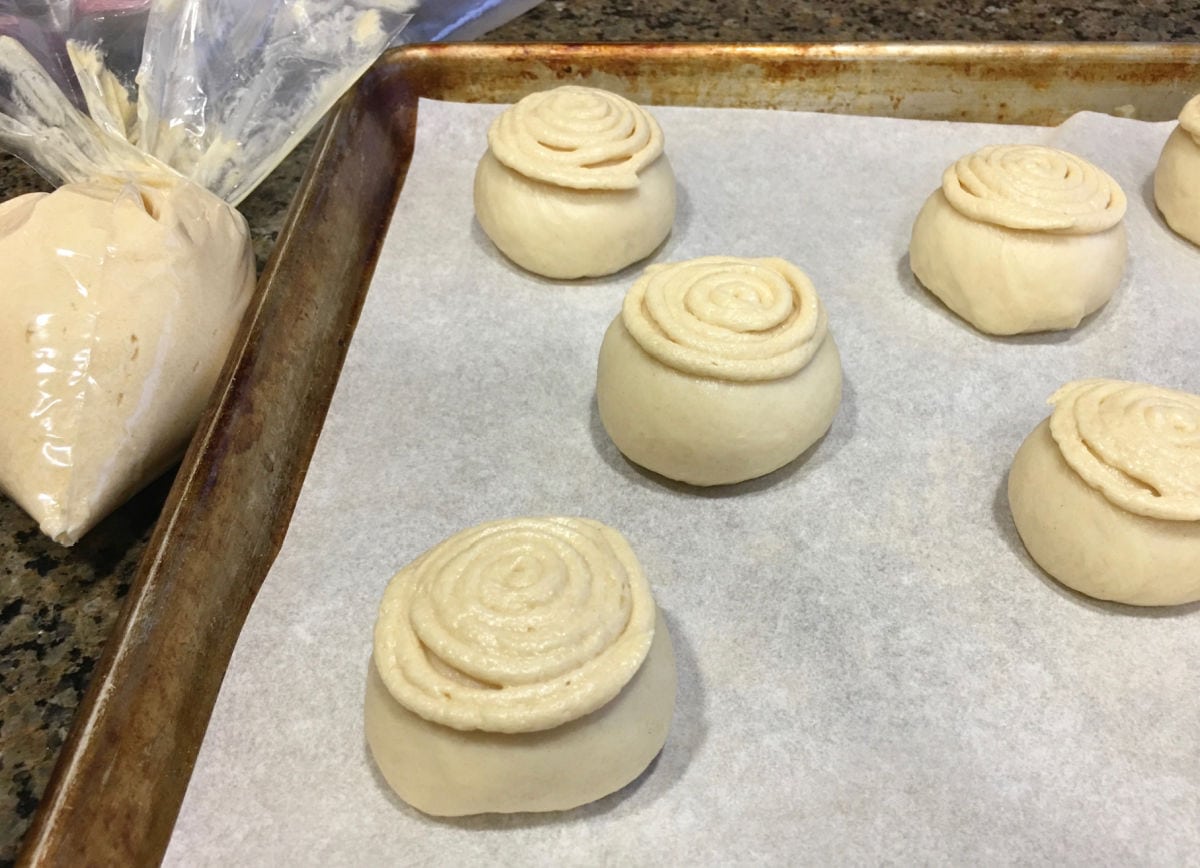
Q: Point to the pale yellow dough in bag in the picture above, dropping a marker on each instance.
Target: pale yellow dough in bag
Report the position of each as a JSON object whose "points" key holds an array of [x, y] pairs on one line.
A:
{"points": [[118, 304], [121, 292]]}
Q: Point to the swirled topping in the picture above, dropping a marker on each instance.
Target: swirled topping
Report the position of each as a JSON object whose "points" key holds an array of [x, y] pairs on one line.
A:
{"points": [[1033, 187], [1139, 445], [577, 137], [728, 318], [1189, 118], [515, 626]]}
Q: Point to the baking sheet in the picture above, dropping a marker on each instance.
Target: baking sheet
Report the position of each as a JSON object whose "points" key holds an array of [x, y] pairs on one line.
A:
{"points": [[871, 668]]}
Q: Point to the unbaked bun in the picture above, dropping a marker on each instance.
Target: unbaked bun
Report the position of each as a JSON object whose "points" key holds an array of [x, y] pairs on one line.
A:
{"points": [[1106, 492], [575, 183], [1177, 176], [1021, 238], [519, 665], [718, 370]]}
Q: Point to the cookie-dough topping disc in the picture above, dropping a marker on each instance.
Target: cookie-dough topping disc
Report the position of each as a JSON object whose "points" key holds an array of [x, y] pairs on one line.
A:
{"points": [[577, 137], [515, 626], [1139, 445], [1034, 187], [727, 318]]}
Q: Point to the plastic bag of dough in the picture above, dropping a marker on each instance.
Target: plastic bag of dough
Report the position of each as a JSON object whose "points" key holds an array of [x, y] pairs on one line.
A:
{"points": [[121, 291], [44, 27]]}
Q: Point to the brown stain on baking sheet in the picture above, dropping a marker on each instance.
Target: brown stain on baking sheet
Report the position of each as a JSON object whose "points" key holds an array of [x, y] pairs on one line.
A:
{"points": [[1036, 83]]}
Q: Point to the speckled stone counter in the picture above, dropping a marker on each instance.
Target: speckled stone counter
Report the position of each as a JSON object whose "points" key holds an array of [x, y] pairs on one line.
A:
{"points": [[57, 605]]}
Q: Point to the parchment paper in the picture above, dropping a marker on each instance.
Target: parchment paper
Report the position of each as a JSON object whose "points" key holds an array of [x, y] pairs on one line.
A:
{"points": [[871, 668]]}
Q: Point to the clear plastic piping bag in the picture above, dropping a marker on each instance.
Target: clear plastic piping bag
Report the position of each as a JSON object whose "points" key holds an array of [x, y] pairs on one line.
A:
{"points": [[121, 291], [228, 88]]}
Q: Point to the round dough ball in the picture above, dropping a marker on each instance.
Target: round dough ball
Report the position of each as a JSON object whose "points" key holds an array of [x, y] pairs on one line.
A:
{"points": [[1106, 492], [451, 773], [1177, 176], [1021, 239], [718, 370], [575, 183], [520, 665]]}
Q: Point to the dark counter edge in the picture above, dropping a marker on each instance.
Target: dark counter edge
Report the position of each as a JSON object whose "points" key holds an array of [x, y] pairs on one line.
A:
{"points": [[116, 790]]}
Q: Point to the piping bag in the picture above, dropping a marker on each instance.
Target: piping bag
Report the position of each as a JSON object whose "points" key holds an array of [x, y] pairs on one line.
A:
{"points": [[121, 291]]}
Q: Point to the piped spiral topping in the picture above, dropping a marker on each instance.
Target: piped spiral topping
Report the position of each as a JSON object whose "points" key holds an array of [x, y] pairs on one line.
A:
{"points": [[1189, 118], [1034, 187], [727, 318], [515, 626], [577, 137], [1139, 445]]}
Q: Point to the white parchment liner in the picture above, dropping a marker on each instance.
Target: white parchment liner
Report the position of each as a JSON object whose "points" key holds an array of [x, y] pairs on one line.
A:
{"points": [[871, 668]]}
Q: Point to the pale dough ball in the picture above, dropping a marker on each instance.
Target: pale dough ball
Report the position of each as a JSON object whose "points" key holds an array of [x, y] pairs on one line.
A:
{"points": [[1106, 497], [707, 431], [1177, 176], [1011, 281], [1021, 239], [563, 233], [451, 773], [575, 183], [718, 370], [520, 665]]}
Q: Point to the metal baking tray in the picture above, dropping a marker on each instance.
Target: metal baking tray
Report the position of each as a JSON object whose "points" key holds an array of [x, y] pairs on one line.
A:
{"points": [[122, 774]]}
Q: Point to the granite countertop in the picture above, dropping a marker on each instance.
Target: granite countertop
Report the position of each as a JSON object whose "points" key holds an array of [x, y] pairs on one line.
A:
{"points": [[57, 605]]}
